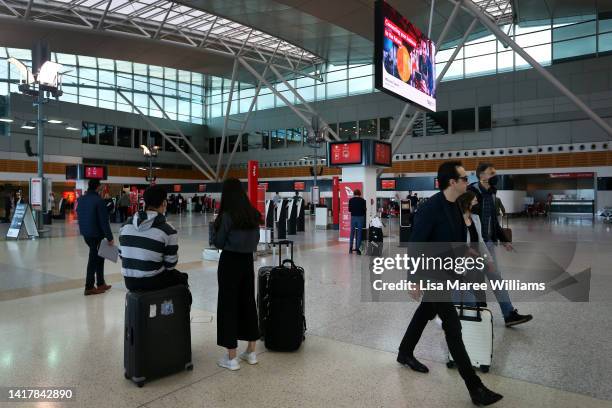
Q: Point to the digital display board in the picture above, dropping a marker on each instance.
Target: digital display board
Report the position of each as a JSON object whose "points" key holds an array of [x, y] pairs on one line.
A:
{"points": [[176, 188], [201, 188], [94, 172], [343, 153], [382, 154], [299, 185], [404, 58], [388, 184]]}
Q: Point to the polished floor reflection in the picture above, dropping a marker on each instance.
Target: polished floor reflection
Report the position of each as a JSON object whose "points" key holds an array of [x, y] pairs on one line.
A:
{"points": [[51, 335]]}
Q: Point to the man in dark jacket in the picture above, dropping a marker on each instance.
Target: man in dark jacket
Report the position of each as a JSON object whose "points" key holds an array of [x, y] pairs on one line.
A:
{"points": [[94, 226], [493, 235], [357, 208], [439, 220]]}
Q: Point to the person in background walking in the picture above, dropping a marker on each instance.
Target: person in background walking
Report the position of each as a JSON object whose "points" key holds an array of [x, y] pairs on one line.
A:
{"points": [[236, 232], [123, 204], [94, 227], [357, 208]]}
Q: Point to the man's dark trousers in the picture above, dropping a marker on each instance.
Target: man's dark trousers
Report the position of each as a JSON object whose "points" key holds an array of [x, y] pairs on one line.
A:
{"points": [[452, 330], [95, 264]]}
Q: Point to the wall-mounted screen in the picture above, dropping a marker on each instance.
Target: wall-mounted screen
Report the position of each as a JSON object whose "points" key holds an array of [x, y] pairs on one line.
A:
{"points": [[343, 153], [388, 184], [177, 188], [382, 154], [95, 172], [404, 58], [299, 185]]}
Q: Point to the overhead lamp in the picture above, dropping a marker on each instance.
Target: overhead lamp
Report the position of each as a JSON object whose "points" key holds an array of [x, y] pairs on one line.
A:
{"points": [[6, 120], [71, 128], [28, 125], [54, 121]]}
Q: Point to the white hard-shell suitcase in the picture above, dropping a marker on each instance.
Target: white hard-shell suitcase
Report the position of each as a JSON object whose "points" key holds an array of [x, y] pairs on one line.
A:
{"points": [[477, 334]]}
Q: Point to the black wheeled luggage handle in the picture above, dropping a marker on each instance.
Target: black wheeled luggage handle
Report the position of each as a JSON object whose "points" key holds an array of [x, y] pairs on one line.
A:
{"points": [[280, 243]]}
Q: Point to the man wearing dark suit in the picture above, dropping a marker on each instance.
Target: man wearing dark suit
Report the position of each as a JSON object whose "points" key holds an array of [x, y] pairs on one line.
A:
{"points": [[439, 220]]}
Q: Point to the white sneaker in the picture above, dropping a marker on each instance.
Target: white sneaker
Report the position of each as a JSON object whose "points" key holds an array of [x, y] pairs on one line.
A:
{"points": [[225, 362], [250, 358]]}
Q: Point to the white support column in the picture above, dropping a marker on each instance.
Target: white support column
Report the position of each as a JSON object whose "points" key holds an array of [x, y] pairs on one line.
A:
{"points": [[226, 119], [501, 36]]}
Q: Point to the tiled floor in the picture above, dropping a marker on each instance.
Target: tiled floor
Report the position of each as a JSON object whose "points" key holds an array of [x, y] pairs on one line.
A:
{"points": [[51, 335]]}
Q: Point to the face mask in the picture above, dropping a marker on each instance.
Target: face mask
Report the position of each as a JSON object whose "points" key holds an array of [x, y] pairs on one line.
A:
{"points": [[494, 180]]}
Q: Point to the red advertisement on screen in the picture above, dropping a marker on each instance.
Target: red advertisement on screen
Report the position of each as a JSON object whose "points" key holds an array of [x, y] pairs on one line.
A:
{"points": [[176, 188], [382, 154], [346, 193], [299, 186], [345, 153], [201, 188], [94, 172], [388, 184]]}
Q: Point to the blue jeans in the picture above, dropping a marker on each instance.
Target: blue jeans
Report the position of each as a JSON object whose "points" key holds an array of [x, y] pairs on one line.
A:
{"points": [[502, 296], [356, 223]]}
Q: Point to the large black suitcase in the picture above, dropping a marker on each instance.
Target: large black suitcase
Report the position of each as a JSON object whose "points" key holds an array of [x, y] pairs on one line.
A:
{"points": [[157, 339], [280, 301]]}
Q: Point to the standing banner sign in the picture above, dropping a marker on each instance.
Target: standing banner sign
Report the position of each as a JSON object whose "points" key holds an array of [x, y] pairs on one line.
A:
{"points": [[22, 217], [36, 193], [261, 202], [346, 193], [253, 176], [336, 201]]}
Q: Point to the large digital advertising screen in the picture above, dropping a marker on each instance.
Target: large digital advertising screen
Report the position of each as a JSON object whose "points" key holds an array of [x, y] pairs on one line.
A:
{"points": [[404, 58], [345, 153]]}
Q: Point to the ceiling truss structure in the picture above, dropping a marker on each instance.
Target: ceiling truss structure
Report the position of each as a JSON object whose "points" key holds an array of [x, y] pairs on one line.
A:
{"points": [[167, 21]]}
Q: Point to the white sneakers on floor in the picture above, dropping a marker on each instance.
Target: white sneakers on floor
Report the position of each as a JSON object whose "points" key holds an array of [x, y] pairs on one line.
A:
{"points": [[225, 362], [233, 364], [250, 358]]}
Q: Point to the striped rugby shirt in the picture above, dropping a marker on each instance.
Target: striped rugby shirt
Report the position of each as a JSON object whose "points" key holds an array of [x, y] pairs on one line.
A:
{"points": [[148, 245]]}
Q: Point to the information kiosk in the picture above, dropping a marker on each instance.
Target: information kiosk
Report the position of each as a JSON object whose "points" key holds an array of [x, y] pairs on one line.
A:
{"points": [[281, 220], [292, 217], [405, 216]]}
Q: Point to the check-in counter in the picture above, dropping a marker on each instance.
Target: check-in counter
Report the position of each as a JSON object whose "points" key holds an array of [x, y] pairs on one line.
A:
{"points": [[580, 207]]}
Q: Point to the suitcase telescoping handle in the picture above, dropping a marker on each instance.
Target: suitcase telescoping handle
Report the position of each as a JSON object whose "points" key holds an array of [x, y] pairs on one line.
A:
{"points": [[280, 243], [462, 307]]}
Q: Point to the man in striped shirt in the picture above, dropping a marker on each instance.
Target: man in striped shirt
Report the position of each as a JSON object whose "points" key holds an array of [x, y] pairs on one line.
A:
{"points": [[148, 246]]}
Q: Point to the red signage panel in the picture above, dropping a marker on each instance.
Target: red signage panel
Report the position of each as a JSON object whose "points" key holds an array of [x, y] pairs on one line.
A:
{"points": [[299, 185], [176, 188], [95, 172], [388, 184], [382, 154], [345, 153], [572, 175], [201, 188]]}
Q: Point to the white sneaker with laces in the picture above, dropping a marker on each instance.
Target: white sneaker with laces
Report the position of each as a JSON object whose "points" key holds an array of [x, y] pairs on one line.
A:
{"points": [[250, 358], [225, 362]]}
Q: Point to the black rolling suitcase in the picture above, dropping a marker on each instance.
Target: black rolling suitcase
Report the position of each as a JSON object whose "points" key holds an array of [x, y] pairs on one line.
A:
{"points": [[157, 339], [280, 301], [375, 241]]}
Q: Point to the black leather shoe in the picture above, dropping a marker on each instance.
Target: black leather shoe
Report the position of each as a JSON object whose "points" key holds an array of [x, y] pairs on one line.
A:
{"points": [[483, 396], [515, 318], [412, 362], [358, 251]]}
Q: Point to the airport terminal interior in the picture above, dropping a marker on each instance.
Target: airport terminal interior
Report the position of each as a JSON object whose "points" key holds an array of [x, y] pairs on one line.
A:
{"points": [[316, 107]]}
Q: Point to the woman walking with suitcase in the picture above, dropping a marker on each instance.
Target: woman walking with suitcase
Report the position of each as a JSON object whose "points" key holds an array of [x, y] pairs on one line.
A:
{"points": [[236, 233]]}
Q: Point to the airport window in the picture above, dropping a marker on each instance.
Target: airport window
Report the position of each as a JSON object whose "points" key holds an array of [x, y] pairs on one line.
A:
{"points": [[211, 146], [124, 137], [417, 126], [385, 128], [141, 137], [155, 139], [348, 131], [167, 145], [464, 120], [368, 128], [106, 135], [437, 123], [294, 137], [89, 132], [244, 146], [278, 139], [484, 118]]}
